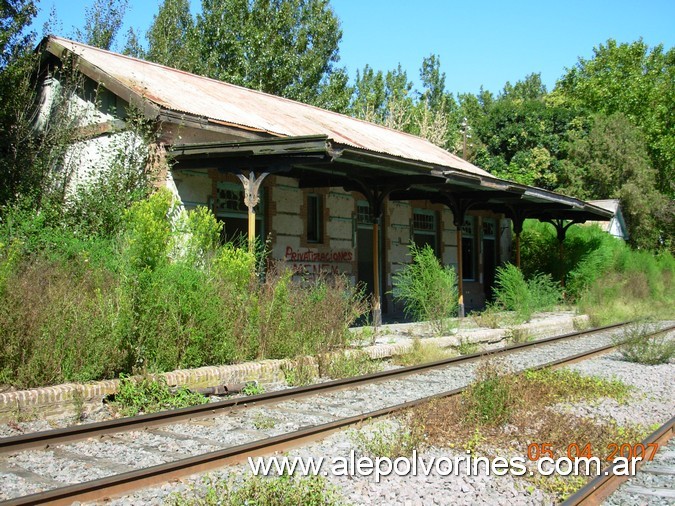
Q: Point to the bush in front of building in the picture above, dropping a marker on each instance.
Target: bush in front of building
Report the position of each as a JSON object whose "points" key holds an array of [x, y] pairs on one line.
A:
{"points": [[525, 296], [159, 294], [427, 289]]}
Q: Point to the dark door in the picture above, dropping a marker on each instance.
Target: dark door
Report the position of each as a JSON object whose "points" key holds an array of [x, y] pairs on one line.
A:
{"points": [[364, 244], [489, 264]]}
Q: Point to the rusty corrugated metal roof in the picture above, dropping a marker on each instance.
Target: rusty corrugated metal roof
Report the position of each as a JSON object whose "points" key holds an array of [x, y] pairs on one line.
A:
{"points": [[222, 102]]}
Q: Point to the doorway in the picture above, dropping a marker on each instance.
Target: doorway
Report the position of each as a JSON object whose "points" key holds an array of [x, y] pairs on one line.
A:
{"points": [[489, 257]]}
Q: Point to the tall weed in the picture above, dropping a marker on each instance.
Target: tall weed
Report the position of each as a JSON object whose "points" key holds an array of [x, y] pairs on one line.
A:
{"points": [[427, 289], [514, 293], [158, 297]]}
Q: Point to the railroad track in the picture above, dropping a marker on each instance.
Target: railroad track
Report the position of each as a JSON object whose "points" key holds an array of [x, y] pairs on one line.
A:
{"points": [[607, 483], [209, 436]]}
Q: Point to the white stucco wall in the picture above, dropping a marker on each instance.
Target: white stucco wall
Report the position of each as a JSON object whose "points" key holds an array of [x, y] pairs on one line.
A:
{"points": [[193, 188]]}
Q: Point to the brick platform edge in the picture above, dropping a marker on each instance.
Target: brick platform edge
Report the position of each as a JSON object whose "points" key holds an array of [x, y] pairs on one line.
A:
{"points": [[66, 399]]}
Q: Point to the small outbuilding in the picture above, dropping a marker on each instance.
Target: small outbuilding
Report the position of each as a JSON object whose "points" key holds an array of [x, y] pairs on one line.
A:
{"points": [[616, 225]]}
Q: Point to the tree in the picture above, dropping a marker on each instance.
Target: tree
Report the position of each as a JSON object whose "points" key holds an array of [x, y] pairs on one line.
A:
{"points": [[15, 16], [171, 37], [102, 22], [636, 81], [433, 82], [283, 47], [133, 46], [399, 102], [370, 96], [335, 93], [611, 161], [522, 139], [436, 114], [16, 63], [531, 88]]}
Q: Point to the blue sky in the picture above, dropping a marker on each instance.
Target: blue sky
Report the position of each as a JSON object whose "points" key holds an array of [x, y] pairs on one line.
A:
{"points": [[479, 43]]}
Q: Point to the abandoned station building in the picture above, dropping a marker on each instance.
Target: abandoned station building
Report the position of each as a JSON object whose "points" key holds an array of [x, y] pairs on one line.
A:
{"points": [[332, 193]]}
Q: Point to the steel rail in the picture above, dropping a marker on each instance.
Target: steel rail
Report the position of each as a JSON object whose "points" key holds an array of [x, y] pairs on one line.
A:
{"points": [[602, 486], [118, 484], [78, 432]]}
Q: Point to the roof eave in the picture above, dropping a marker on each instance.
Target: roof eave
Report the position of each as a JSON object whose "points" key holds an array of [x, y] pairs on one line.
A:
{"points": [[144, 104]]}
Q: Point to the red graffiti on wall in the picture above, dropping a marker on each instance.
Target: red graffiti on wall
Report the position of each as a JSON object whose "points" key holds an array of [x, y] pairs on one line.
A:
{"points": [[315, 269], [325, 257]]}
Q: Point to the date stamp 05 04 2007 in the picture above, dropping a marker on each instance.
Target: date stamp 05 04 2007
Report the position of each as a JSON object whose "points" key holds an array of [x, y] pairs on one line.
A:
{"points": [[536, 451]]}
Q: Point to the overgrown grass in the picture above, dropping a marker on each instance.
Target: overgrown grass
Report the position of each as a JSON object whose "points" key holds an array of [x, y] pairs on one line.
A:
{"points": [[427, 289], [638, 345], [149, 395], [508, 410], [518, 335], [301, 371], [514, 293], [490, 317], [606, 278], [643, 287], [489, 400], [466, 347], [387, 439], [263, 422], [422, 353], [161, 294], [345, 364], [261, 491]]}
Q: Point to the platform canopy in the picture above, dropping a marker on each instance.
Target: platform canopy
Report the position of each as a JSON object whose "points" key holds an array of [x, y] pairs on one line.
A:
{"points": [[318, 161]]}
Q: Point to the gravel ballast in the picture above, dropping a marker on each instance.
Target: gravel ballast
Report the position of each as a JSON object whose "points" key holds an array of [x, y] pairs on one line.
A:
{"points": [[648, 404]]}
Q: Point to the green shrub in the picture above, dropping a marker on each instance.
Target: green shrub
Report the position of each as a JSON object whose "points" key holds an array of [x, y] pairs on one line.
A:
{"points": [[490, 399], [200, 235], [262, 491], [514, 293], [638, 344], [610, 281], [156, 298], [347, 364], [385, 440], [148, 234], [634, 285], [427, 289], [511, 291], [149, 395]]}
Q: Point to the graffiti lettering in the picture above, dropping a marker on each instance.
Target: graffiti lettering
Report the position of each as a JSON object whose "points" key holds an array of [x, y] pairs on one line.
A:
{"points": [[315, 269], [317, 256]]}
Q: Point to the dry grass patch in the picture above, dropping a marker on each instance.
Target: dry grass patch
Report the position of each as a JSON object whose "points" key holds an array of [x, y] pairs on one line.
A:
{"points": [[422, 353], [346, 364], [509, 411]]}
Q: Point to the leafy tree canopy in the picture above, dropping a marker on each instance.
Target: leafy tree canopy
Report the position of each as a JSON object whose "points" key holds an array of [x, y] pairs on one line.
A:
{"points": [[283, 47], [15, 16], [102, 22], [636, 81]]}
